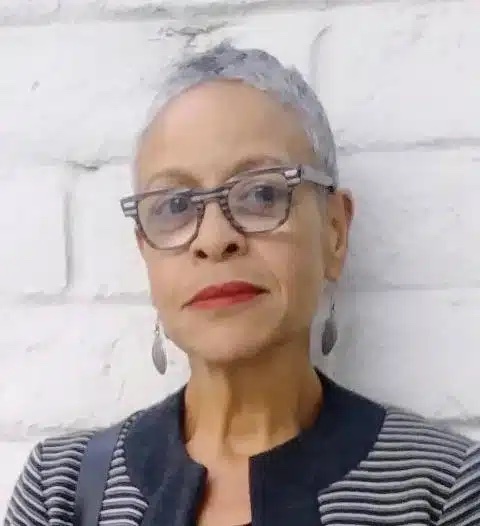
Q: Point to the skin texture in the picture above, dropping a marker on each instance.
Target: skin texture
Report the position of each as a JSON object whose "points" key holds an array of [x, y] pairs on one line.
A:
{"points": [[252, 385]]}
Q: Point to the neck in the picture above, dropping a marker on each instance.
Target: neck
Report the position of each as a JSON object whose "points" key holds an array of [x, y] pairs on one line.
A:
{"points": [[241, 409]]}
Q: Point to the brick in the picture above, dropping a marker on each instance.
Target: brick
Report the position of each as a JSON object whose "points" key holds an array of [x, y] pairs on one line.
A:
{"points": [[211, 5], [12, 456], [61, 10], [416, 220], [268, 31], [397, 73], [32, 230], [75, 366], [83, 94], [76, 9], [182, 7], [26, 10], [406, 348], [145, 9], [106, 260], [414, 349]]}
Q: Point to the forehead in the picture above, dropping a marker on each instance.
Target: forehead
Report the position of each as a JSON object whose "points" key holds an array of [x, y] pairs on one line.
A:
{"points": [[211, 129]]}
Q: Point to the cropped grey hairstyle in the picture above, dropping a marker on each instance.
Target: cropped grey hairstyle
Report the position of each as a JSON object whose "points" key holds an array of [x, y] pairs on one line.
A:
{"points": [[260, 70]]}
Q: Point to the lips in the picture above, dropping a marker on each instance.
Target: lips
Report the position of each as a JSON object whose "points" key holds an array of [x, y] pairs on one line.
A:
{"points": [[225, 294]]}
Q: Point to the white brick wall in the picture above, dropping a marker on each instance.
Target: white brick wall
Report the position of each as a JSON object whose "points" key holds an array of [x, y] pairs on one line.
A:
{"points": [[401, 85]]}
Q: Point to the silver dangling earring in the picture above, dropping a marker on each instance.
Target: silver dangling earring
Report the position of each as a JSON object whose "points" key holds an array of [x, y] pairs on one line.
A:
{"points": [[159, 354], [330, 331]]}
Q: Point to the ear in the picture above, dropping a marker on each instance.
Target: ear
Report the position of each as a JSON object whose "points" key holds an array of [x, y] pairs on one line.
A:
{"points": [[340, 211]]}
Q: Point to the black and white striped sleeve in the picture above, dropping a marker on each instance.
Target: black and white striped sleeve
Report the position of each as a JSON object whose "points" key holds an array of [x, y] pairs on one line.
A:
{"points": [[26, 506], [463, 505]]}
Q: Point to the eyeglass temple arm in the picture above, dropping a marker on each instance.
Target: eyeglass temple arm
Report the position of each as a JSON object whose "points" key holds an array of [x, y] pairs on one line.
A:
{"points": [[319, 177], [129, 206]]}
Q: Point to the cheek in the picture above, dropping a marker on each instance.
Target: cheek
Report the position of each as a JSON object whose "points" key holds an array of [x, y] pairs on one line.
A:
{"points": [[307, 274], [296, 259], [305, 270], [161, 274]]}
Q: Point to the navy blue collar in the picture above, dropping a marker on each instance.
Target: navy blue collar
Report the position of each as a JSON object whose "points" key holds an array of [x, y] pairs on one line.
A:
{"points": [[284, 481]]}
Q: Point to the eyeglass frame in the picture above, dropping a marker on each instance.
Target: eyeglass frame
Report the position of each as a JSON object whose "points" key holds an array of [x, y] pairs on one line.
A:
{"points": [[200, 198]]}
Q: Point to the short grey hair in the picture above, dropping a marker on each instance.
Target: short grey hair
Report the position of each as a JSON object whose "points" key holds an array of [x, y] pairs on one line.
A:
{"points": [[263, 71]]}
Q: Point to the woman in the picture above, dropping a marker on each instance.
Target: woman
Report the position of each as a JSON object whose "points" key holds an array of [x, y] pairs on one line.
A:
{"points": [[241, 225]]}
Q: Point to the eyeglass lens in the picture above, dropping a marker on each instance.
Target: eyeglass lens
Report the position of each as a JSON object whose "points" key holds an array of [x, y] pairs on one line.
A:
{"points": [[257, 203]]}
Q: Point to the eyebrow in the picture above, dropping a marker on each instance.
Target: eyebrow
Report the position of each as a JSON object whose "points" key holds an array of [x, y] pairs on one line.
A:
{"points": [[175, 175], [260, 161], [178, 175]]}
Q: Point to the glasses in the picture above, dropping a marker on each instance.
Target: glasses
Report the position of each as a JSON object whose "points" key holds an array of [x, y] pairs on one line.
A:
{"points": [[253, 202]]}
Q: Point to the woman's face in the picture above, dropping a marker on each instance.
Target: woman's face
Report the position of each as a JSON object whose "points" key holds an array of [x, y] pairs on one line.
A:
{"points": [[201, 139]]}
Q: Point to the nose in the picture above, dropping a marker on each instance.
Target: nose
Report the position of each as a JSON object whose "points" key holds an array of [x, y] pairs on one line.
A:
{"points": [[217, 239]]}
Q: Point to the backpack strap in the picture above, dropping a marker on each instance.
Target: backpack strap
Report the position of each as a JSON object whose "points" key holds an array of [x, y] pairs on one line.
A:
{"points": [[93, 475]]}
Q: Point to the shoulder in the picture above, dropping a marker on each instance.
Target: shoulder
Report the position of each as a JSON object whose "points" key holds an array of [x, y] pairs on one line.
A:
{"points": [[47, 480], [413, 432], [416, 472], [463, 504], [45, 489], [411, 443], [434, 459]]}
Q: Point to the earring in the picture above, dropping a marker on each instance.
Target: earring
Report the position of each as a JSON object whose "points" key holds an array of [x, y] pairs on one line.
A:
{"points": [[159, 354], [330, 331]]}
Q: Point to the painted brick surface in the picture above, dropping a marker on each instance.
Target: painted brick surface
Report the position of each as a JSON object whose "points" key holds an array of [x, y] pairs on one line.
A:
{"points": [[271, 32], [32, 230], [176, 7], [105, 257], [23, 10], [414, 348], [416, 219], [84, 94], [29, 12], [98, 357], [394, 74], [400, 83]]}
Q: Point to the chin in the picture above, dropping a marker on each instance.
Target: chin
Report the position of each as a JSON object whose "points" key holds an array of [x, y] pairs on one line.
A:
{"points": [[229, 347], [228, 335], [225, 357]]}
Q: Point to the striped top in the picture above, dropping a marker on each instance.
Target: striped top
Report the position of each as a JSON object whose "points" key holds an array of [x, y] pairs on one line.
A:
{"points": [[360, 464]]}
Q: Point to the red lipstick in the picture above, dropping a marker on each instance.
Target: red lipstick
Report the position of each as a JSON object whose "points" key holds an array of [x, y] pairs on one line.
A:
{"points": [[224, 295]]}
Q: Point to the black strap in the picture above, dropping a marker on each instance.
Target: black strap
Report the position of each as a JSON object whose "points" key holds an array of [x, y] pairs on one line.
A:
{"points": [[93, 476]]}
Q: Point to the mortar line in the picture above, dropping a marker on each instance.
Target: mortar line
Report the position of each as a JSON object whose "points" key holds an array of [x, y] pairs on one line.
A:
{"points": [[219, 10], [68, 233], [143, 298], [435, 144]]}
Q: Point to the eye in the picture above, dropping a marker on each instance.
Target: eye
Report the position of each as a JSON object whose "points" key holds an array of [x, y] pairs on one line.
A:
{"points": [[167, 212], [166, 206], [264, 193]]}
